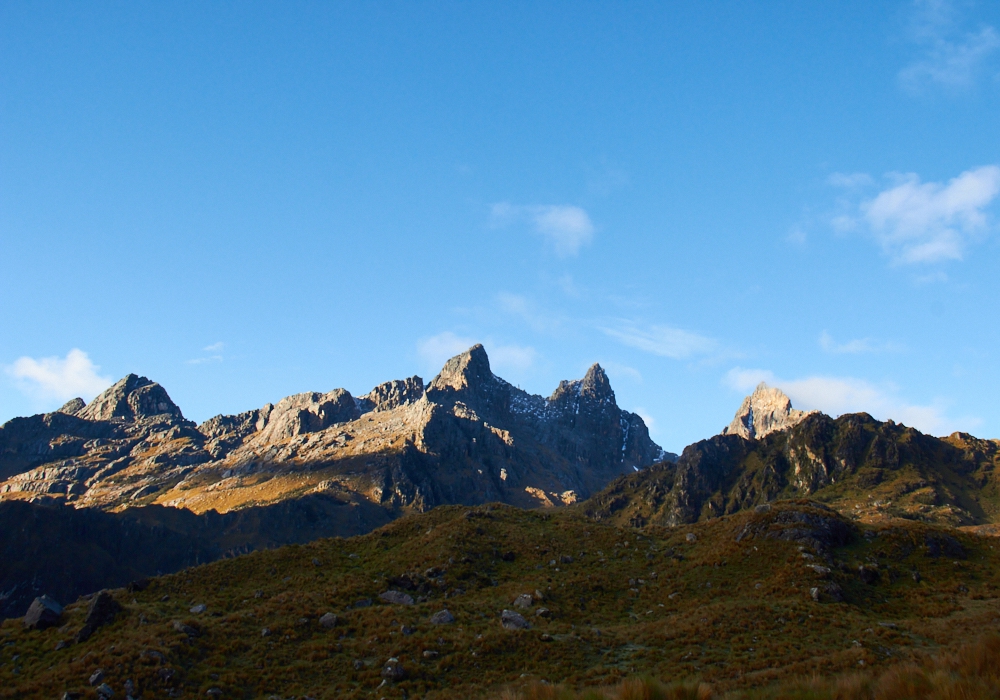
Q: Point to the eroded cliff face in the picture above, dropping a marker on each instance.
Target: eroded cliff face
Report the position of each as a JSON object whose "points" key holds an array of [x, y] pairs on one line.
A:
{"points": [[467, 437]]}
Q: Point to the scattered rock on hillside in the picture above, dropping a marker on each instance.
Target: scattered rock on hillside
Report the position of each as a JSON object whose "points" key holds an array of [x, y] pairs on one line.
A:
{"points": [[396, 598], [513, 621], [444, 617], [523, 601], [198, 609], [328, 621], [101, 611], [868, 574], [43, 612], [96, 677], [827, 592]]}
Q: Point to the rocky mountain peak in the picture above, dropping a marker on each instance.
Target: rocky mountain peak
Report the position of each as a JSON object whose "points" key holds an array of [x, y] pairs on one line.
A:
{"points": [[130, 398], [471, 369], [767, 410], [596, 385]]}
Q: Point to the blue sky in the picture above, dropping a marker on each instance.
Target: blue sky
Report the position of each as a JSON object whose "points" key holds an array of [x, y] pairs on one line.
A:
{"points": [[247, 200]]}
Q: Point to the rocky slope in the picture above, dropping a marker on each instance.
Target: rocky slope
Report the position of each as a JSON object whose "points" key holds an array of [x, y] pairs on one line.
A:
{"points": [[866, 469]]}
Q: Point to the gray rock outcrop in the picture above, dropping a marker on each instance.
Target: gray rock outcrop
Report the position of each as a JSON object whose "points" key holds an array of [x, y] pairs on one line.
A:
{"points": [[43, 612], [767, 410]]}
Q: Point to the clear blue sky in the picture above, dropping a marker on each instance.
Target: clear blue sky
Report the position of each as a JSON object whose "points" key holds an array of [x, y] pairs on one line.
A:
{"points": [[247, 200]]}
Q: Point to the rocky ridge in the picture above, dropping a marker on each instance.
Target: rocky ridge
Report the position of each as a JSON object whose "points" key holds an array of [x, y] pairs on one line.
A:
{"points": [[466, 437]]}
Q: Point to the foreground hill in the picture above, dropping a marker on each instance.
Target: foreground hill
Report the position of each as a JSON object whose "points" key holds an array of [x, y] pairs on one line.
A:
{"points": [[866, 469], [740, 601]]}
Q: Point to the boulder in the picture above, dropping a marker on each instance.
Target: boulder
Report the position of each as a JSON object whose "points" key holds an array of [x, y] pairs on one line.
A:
{"points": [[328, 621], [513, 621], [523, 601], [43, 612], [443, 617], [396, 598], [102, 610]]}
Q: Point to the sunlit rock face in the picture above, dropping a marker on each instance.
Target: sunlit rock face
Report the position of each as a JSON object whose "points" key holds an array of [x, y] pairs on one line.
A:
{"points": [[765, 411]]}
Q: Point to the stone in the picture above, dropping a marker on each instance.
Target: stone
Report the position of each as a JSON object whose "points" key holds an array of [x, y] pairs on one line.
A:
{"points": [[691, 537], [406, 630], [70, 695], [442, 617], [566, 559], [265, 632], [513, 621], [542, 612], [96, 677], [393, 670], [819, 570], [104, 691], [214, 692], [129, 687], [102, 610], [358, 664], [396, 598], [827, 592], [43, 612], [767, 410], [184, 629], [198, 609], [328, 621], [73, 406], [523, 601], [430, 654]]}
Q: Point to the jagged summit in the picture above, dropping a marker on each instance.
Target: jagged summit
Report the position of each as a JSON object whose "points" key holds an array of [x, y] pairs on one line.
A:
{"points": [[765, 411], [130, 398], [467, 437]]}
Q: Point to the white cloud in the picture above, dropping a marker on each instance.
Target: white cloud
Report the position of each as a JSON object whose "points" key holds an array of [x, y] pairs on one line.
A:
{"points": [[854, 347], [60, 379], [836, 396], [567, 228], [438, 349], [952, 57], [927, 222], [523, 308], [215, 347], [666, 341]]}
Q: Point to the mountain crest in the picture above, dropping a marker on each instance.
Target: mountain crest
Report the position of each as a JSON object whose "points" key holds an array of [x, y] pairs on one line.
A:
{"points": [[130, 398], [767, 410]]}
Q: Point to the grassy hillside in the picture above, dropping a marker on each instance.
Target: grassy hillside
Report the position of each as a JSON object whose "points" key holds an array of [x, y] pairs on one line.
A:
{"points": [[726, 602]]}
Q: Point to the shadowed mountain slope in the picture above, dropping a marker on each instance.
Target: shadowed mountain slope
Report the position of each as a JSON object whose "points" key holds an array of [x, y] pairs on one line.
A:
{"points": [[864, 468]]}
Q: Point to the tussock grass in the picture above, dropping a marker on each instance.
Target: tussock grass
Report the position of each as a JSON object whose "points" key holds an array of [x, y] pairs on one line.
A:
{"points": [[713, 618]]}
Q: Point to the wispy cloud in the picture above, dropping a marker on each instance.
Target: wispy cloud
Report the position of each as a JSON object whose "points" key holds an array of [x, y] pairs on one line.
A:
{"points": [[665, 341], [927, 222], [836, 396], [59, 379], [854, 347], [567, 228], [216, 356], [438, 349], [618, 371], [522, 307], [952, 55]]}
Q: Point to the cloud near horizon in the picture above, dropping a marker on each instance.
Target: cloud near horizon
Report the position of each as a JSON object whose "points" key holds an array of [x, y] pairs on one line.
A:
{"points": [[854, 347], [567, 228], [836, 396], [927, 222], [60, 379]]}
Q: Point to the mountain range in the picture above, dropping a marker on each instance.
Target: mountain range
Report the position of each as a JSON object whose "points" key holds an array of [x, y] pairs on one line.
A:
{"points": [[100, 494]]}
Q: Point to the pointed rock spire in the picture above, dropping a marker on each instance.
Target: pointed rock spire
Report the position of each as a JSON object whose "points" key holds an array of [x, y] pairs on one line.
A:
{"points": [[469, 370], [767, 410], [130, 398]]}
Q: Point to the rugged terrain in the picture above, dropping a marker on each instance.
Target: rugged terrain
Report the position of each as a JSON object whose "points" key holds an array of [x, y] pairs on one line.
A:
{"points": [[738, 602], [310, 465], [868, 470]]}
